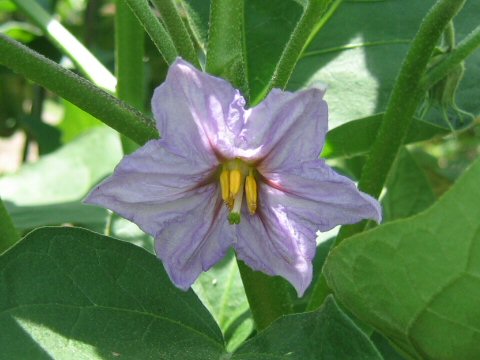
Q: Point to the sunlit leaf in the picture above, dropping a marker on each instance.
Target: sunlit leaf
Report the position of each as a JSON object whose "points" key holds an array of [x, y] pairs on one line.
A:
{"points": [[323, 334], [417, 280], [69, 292]]}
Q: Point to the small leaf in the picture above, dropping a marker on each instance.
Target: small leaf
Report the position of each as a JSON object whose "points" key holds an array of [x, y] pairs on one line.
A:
{"points": [[356, 137], [323, 334], [70, 293], [408, 189], [416, 280]]}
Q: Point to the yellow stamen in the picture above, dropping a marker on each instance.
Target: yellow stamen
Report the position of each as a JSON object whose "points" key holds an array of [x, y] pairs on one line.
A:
{"points": [[235, 182], [251, 193], [225, 186]]}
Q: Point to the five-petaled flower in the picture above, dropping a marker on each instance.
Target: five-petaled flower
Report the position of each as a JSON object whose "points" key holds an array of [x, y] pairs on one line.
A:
{"points": [[224, 176]]}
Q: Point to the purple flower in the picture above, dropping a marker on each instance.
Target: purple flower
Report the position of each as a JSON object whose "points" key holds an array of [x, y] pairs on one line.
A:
{"points": [[224, 176]]}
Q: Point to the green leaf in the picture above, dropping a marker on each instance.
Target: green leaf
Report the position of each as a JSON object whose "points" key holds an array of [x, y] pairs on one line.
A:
{"points": [[358, 60], [73, 212], [356, 137], [323, 334], [75, 121], [416, 280], [20, 31], [268, 26], [68, 292], [408, 189], [49, 192], [221, 291]]}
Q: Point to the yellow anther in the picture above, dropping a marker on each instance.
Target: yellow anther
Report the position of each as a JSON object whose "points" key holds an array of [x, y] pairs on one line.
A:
{"points": [[235, 182], [251, 193], [225, 186]]}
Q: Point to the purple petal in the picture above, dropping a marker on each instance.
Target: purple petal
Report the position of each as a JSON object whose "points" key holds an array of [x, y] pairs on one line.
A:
{"points": [[148, 184], [286, 128], [172, 198], [198, 112], [196, 238], [271, 242], [316, 197]]}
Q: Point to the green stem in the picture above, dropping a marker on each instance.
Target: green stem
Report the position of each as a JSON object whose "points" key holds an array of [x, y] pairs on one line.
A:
{"points": [[268, 296], [154, 29], [8, 233], [177, 30], [129, 52], [309, 24], [113, 112], [226, 56], [404, 100], [68, 44], [463, 50]]}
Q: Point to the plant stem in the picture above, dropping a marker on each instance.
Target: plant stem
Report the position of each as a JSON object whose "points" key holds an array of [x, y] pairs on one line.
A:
{"points": [[307, 27], [177, 30], [154, 29], [129, 67], [8, 233], [404, 100], [226, 55], [463, 50], [68, 44], [113, 112], [268, 296]]}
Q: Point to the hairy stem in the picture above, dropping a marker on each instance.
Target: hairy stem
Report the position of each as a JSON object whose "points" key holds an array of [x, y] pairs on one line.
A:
{"points": [[113, 112], [178, 32], [154, 29], [226, 56], [404, 100], [68, 44], [268, 296], [129, 52], [309, 24], [462, 51]]}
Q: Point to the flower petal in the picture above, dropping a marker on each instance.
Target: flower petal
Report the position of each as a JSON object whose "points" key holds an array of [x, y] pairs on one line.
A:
{"points": [[318, 198], [271, 242], [286, 128], [149, 183], [197, 111], [172, 198], [195, 239]]}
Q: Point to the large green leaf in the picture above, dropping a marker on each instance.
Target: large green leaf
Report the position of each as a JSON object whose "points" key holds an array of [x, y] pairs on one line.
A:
{"points": [[70, 293], [221, 291], [358, 53], [323, 334], [417, 280]]}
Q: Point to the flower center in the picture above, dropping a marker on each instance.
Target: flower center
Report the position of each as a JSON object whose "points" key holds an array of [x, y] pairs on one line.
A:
{"points": [[237, 178]]}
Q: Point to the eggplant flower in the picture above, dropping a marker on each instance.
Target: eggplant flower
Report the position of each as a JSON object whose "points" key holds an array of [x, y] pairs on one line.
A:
{"points": [[225, 176]]}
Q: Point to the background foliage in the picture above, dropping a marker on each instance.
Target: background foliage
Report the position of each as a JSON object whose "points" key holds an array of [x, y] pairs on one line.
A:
{"points": [[77, 285]]}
